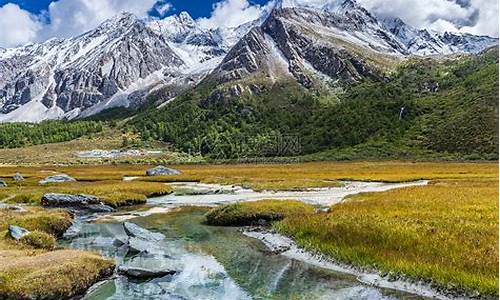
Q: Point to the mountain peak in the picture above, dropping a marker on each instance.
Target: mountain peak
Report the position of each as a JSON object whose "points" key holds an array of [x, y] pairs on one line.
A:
{"points": [[186, 18]]}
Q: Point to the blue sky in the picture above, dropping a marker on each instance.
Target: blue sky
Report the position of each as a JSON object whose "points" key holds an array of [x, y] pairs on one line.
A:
{"points": [[197, 8]]}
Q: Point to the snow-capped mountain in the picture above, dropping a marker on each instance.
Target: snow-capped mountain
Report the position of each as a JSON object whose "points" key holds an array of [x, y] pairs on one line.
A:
{"points": [[333, 40], [427, 42], [67, 77], [125, 58]]}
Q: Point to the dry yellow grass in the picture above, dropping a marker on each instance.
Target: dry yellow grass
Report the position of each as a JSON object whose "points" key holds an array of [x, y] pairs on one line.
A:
{"points": [[113, 193], [58, 274], [322, 174]]}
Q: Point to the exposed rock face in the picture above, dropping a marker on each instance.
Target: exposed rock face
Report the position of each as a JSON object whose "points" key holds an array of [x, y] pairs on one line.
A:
{"points": [[302, 43], [161, 170], [17, 232], [57, 179], [119, 63], [81, 201], [125, 59], [77, 74]]}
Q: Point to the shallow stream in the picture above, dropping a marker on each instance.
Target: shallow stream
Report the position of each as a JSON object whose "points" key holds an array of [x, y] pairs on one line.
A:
{"points": [[218, 262]]}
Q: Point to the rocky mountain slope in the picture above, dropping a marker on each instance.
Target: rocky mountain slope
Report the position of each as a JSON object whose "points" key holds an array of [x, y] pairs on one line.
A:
{"points": [[125, 59], [333, 40]]}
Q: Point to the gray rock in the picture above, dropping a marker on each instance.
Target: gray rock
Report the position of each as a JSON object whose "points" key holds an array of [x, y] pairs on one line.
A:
{"points": [[101, 207], [80, 201], [57, 178], [143, 273], [17, 232], [137, 245], [136, 231], [161, 170], [2, 183], [18, 177]]}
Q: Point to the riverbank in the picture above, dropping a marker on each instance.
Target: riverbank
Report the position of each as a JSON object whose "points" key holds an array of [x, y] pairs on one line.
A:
{"points": [[444, 234]]}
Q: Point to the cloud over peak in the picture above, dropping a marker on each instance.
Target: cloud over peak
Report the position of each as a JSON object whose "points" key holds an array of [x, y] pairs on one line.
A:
{"points": [[66, 18]]}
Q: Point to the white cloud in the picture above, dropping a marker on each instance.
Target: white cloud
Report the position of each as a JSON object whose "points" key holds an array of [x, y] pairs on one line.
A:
{"points": [[441, 15], [72, 17], [163, 8], [488, 18], [63, 18], [17, 26], [232, 13]]}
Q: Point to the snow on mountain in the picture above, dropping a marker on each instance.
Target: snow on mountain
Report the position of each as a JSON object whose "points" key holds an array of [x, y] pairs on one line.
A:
{"points": [[124, 59], [84, 71], [427, 42], [117, 64]]}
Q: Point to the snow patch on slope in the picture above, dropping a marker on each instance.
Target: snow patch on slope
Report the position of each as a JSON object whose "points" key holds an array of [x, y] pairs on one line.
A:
{"points": [[33, 112]]}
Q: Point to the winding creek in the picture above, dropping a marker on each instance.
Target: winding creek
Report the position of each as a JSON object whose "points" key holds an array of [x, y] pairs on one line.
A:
{"points": [[224, 262]]}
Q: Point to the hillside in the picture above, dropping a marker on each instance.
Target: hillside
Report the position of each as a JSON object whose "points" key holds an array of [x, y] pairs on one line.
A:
{"points": [[443, 107]]}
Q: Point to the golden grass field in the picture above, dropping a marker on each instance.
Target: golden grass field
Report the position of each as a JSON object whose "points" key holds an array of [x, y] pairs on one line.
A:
{"points": [[445, 233], [274, 176], [29, 271]]}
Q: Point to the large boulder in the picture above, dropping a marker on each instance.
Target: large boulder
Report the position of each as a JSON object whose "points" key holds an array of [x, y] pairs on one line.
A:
{"points": [[2, 183], [161, 170], [18, 177], [57, 179], [80, 201], [17, 232]]}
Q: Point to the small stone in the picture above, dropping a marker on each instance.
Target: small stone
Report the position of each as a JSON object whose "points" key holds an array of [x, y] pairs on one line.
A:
{"points": [[18, 177], [57, 178], [17, 232], [322, 210], [161, 170]]}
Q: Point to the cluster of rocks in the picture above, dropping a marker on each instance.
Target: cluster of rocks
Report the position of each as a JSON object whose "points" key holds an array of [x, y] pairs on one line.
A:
{"points": [[16, 177], [144, 246]]}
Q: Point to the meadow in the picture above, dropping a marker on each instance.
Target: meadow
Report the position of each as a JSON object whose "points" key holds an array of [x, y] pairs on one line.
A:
{"points": [[445, 233]]}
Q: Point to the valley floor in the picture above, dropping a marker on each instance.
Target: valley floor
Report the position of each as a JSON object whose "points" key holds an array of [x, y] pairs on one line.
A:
{"points": [[444, 233]]}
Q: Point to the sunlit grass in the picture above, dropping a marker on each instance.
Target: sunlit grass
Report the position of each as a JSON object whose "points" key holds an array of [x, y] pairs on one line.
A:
{"points": [[445, 233], [60, 274], [325, 174], [113, 193], [250, 213], [29, 271]]}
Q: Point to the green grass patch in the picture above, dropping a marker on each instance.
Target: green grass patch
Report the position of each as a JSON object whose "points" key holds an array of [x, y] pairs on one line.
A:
{"points": [[39, 240], [251, 213]]}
